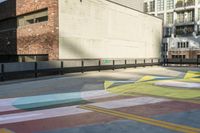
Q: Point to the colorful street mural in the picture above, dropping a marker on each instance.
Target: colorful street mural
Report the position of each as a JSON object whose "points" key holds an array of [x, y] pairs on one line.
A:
{"points": [[153, 104], [186, 88]]}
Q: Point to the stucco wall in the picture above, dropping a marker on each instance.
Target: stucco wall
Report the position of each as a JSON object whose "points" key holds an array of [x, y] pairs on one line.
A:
{"points": [[136, 4], [101, 29]]}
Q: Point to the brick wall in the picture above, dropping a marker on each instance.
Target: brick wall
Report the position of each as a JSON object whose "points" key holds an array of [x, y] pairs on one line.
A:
{"points": [[39, 38], [8, 27], [8, 42]]}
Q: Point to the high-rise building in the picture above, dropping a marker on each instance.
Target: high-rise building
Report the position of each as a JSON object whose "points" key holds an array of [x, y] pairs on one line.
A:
{"points": [[181, 21]]}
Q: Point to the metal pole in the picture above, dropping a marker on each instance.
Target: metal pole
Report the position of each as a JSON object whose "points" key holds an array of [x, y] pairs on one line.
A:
{"points": [[82, 64], [135, 63], [62, 68], [36, 70], [125, 64], [113, 65], [99, 65], [181, 61], [2, 72]]}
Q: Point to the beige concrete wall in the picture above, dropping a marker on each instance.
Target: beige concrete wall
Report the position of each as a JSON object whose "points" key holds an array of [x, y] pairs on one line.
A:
{"points": [[136, 4], [100, 29]]}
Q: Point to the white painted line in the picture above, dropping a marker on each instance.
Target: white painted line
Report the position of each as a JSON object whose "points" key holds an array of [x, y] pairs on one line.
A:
{"points": [[41, 114], [6, 105], [178, 84], [73, 110], [129, 102], [89, 95]]}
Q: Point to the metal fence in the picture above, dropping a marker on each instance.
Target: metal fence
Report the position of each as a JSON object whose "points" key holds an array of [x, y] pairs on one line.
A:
{"points": [[23, 58], [181, 62], [36, 69]]}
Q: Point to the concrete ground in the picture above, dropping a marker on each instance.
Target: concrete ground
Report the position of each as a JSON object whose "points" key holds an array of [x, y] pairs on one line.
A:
{"points": [[121, 101]]}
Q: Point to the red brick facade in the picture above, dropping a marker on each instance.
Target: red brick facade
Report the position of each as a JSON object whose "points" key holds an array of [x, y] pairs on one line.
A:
{"points": [[39, 38]]}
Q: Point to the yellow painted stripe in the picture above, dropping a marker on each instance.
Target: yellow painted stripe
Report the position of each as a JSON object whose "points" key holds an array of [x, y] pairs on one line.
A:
{"points": [[128, 92], [163, 124], [4, 130], [175, 99]]}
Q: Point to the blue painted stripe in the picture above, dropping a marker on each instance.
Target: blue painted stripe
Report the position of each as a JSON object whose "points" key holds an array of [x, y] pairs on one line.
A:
{"points": [[47, 100]]}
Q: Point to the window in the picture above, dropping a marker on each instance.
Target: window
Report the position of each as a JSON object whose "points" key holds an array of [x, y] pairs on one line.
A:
{"points": [[145, 7], [165, 47], [31, 18], [160, 5], [199, 13], [170, 4], [184, 30], [198, 56], [161, 16], [152, 6], [190, 16], [187, 44], [180, 3], [178, 44], [180, 17], [178, 56], [167, 31], [183, 45], [170, 18]]}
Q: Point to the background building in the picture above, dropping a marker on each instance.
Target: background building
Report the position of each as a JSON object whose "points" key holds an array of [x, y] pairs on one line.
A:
{"points": [[181, 26], [72, 29]]}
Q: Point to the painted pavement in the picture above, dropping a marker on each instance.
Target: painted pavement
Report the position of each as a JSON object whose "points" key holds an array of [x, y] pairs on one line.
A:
{"points": [[151, 104]]}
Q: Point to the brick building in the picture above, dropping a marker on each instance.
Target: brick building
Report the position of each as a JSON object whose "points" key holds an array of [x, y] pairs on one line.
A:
{"points": [[29, 27], [71, 29]]}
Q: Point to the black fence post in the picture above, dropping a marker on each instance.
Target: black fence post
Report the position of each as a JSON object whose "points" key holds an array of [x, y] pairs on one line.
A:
{"points": [[159, 62], [62, 68], [151, 62], [36, 70], [82, 65], [113, 65], [125, 64], [167, 62], [2, 72], [164, 62], [181, 61], [99, 65], [144, 62], [135, 63]]}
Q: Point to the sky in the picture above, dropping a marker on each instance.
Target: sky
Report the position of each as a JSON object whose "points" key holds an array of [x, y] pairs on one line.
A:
{"points": [[2, 0]]}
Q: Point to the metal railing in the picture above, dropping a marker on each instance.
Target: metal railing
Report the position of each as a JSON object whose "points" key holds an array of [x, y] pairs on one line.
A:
{"points": [[181, 62], [180, 4], [184, 21], [35, 69]]}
